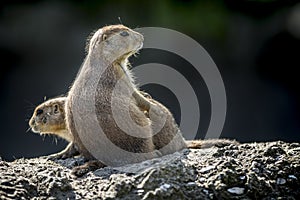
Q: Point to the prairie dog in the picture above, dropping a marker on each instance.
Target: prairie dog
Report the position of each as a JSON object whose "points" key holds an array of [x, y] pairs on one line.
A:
{"points": [[49, 118], [89, 104]]}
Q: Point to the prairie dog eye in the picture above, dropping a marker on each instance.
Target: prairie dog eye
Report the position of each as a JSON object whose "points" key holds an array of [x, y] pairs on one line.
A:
{"points": [[56, 110], [124, 33], [39, 112], [104, 37]]}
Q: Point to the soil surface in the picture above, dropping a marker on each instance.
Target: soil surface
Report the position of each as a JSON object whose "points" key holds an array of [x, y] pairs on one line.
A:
{"points": [[248, 171]]}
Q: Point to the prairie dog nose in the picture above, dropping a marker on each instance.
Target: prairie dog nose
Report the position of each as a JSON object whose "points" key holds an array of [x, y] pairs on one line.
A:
{"points": [[31, 122]]}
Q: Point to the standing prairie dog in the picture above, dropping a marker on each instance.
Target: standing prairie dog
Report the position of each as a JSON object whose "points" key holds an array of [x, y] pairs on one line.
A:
{"points": [[89, 105]]}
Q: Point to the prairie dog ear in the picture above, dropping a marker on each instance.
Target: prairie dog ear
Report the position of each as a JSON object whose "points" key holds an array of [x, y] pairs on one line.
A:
{"points": [[103, 37], [56, 108]]}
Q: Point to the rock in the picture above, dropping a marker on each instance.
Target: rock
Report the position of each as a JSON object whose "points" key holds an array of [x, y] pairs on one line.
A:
{"points": [[281, 181], [248, 171], [236, 190]]}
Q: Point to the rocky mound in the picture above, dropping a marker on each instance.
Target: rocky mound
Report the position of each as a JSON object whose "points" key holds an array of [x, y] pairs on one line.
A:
{"points": [[247, 171]]}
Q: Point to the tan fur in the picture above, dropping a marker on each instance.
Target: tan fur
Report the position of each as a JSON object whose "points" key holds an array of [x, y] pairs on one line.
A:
{"points": [[49, 118], [109, 50]]}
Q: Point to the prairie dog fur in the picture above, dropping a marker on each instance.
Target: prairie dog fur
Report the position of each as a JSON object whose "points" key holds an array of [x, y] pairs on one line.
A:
{"points": [[92, 94], [49, 118]]}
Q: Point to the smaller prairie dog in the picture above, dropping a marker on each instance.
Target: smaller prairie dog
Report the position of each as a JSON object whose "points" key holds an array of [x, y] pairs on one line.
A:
{"points": [[49, 118]]}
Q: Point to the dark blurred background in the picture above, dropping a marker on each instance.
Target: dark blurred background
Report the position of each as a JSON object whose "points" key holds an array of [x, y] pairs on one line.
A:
{"points": [[255, 45]]}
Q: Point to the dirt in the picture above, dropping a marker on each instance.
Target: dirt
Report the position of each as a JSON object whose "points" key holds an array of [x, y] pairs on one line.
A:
{"points": [[268, 170]]}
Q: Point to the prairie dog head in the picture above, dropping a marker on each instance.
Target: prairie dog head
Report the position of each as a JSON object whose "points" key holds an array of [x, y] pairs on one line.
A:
{"points": [[115, 42], [49, 118]]}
